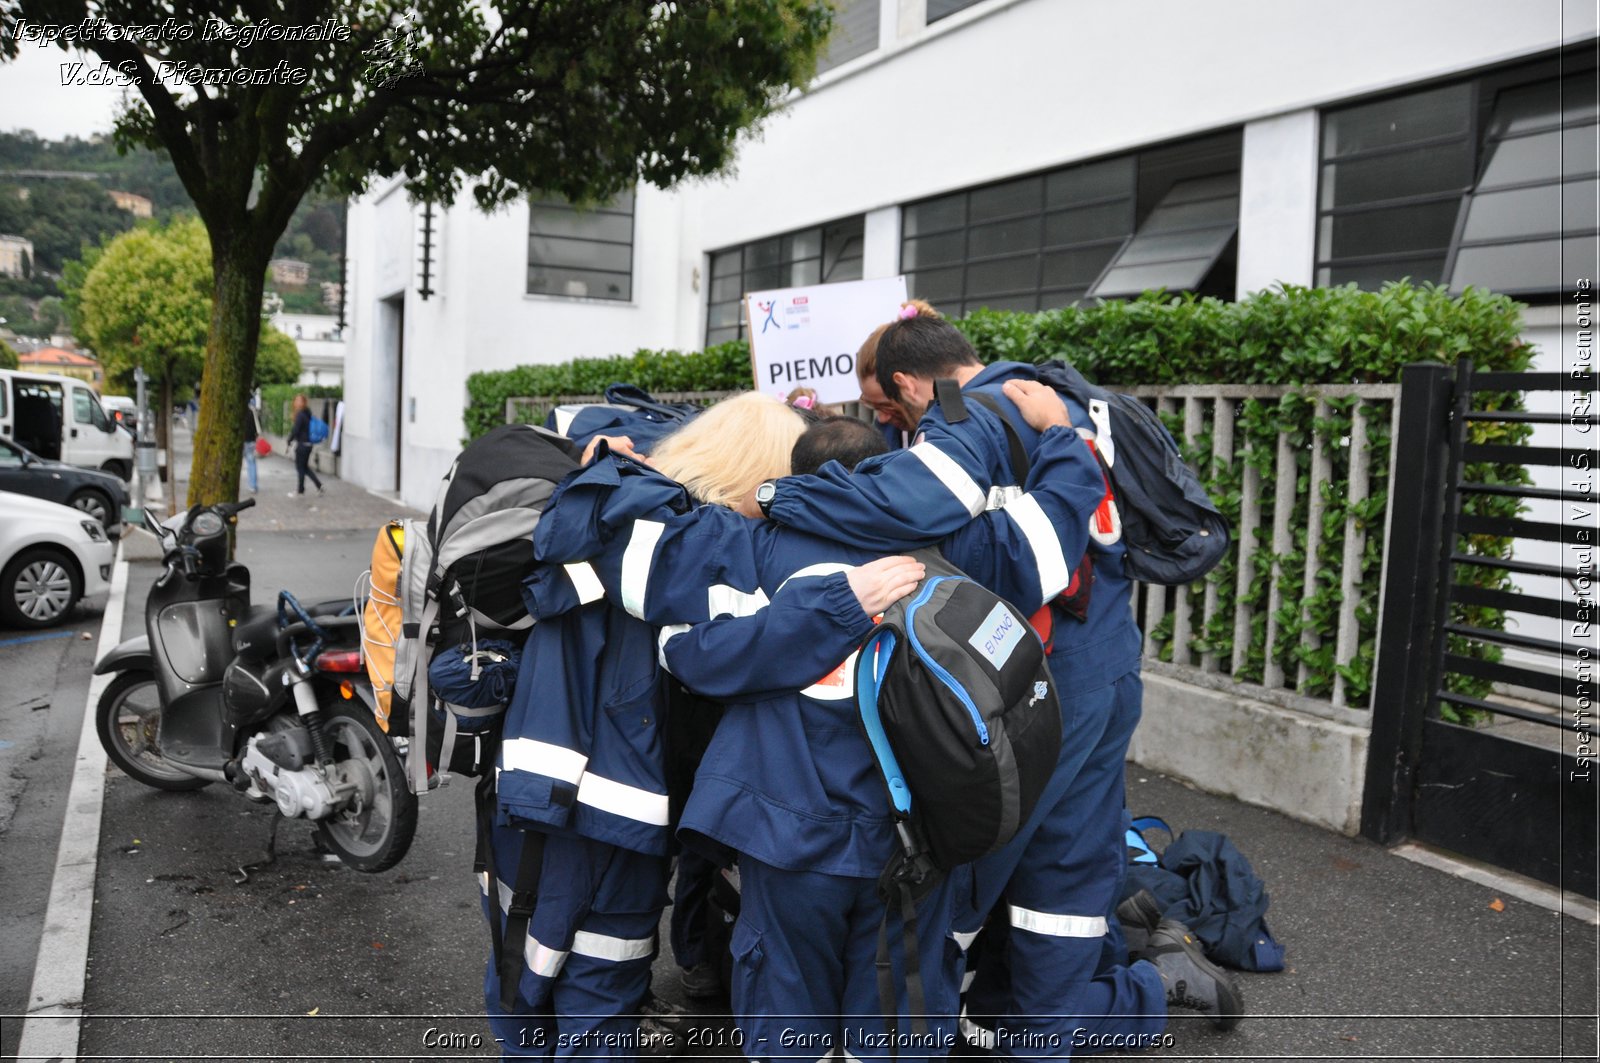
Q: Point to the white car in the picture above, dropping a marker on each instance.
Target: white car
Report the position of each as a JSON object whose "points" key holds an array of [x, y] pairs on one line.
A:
{"points": [[50, 556]]}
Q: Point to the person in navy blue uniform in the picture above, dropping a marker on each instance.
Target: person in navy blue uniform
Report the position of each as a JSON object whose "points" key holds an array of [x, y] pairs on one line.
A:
{"points": [[788, 785], [1061, 875]]}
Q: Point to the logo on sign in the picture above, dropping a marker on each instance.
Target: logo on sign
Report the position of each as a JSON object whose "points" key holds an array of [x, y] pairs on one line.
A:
{"points": [[997, 636], [769, 309]]}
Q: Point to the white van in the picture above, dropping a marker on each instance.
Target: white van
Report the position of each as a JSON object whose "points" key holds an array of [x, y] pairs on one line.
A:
{"points": [[60, 418]]}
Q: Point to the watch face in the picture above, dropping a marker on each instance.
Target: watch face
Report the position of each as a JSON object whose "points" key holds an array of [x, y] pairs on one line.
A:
{"points": [[766, 492]]}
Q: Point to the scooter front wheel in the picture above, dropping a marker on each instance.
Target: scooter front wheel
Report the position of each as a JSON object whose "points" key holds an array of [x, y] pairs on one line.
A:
{"points": [[374, 829], [128, 720]]}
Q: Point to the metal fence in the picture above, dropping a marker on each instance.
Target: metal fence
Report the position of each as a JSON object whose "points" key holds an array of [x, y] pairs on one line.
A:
{"points": [[1270, 526]]}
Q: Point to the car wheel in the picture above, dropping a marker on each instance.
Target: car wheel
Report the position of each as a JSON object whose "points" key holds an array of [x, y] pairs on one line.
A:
{"points": [[120, 469], [94, 504], [39, 588]]}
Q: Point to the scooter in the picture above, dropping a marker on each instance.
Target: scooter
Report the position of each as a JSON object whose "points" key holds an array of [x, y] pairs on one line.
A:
{"points": [[273, 700]]}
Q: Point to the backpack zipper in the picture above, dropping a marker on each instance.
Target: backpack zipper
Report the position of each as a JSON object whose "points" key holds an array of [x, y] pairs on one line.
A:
{"points": [[945, 677]]}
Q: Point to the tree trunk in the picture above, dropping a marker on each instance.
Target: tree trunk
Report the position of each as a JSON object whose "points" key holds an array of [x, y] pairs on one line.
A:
{"points": [[239, 272]]}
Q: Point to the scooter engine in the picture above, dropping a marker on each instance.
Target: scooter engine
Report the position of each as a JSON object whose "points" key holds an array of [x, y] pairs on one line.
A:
{"points": [[281, 765]]}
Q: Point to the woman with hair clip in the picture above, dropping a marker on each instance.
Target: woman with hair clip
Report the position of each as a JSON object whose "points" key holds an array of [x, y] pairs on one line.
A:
{"points": [[766, 620]]}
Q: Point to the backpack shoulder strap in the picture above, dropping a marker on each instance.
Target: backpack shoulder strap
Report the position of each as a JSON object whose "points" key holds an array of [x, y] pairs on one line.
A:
{"points": [[1020, 464], [948, 394]]}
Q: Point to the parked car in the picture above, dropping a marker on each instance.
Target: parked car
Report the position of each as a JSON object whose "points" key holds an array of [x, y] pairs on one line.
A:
{"points": [[99, 494], [60, 418], [50, 557]]}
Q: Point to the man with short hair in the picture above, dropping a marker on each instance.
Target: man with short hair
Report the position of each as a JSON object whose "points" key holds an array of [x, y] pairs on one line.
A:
{"points": [[1061, 875]]}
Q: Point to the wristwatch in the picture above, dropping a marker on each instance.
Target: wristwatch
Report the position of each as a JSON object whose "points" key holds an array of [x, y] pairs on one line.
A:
{"points": [[765, 493]]}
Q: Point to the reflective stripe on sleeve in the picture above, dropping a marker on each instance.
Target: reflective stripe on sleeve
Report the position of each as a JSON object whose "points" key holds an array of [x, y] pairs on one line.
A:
{"points": [[978, 1035], [620, 799], [1058, 926], [723, 600], [617, 950], [955, 479], [542, 758], [543, 960], [636, 561], [1054, 572], [668, 633], [585, 581]]}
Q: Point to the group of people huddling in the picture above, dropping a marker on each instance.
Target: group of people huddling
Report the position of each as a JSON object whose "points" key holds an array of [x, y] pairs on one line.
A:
{"points": [[739, 565]]}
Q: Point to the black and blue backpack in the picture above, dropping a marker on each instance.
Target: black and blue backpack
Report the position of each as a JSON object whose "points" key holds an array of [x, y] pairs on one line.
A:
{"points": [[1174, 532], [961, 712]]}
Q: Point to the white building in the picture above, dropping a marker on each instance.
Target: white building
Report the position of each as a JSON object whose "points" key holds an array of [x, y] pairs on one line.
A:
{"points": [[321, 346], [1021, 154], [16, 256]]}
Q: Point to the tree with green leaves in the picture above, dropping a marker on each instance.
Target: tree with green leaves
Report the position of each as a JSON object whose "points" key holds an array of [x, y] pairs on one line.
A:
{"points": [[572, 97], [8, 357], [145, 302]]}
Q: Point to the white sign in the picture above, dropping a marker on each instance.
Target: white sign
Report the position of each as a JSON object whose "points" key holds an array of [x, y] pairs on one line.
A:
{"points": [[808, 337]]}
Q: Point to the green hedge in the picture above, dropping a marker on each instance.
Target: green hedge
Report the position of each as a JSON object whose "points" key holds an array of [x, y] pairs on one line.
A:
{"points": [[1284, 337], [276, 400]]}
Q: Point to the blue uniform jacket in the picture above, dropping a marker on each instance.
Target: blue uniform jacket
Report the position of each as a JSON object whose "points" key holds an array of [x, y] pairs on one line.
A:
{"points": [[580, 750], [913, 497], [762, 617]]}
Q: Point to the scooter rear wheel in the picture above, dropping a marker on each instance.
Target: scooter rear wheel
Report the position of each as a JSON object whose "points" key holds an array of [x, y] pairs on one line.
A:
{"points": [[374, 832], [128, 720]]}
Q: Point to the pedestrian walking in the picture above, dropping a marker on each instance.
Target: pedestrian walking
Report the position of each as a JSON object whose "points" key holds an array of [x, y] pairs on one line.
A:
{"points": [[300, 440], [252, 432]]}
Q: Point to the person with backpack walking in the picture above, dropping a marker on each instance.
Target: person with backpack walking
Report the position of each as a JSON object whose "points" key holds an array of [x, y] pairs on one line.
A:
{"points": [[789, 786], [1061, 876], [300, 439]]}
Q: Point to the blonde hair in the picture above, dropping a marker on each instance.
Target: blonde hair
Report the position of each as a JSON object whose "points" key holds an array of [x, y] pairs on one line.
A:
{"points": [[724, 453], [867, 356]]}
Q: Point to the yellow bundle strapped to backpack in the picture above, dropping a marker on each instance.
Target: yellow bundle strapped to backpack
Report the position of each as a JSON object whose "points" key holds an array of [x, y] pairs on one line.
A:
{"points": [[382, 618]]}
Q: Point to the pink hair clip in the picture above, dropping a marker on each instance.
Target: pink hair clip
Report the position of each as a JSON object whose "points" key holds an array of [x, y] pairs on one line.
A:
{"points": [[803, 402], [908, 312]]}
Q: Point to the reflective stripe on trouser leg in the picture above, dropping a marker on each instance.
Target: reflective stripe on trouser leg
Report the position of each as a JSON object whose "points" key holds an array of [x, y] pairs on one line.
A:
{"points": [[1071, 867]]}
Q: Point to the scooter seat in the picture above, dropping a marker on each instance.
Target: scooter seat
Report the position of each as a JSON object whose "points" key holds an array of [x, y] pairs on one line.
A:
{"points": [[255, 637]]}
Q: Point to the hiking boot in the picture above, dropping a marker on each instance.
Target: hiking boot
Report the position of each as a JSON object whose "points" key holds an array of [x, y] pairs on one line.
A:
{"points": [[1138, 916], [661, 1027], [656, 1040], [701, 981], [1191, 980]]}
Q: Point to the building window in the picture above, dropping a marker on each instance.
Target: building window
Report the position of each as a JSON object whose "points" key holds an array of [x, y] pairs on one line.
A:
{"points": [[1489, 182], [855, 32], [938, 9], [581, 253], [1161, 218], [824, 254]]}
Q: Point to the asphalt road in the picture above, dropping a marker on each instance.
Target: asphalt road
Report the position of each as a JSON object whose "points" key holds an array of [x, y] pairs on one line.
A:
{"points": [[44, 679]]}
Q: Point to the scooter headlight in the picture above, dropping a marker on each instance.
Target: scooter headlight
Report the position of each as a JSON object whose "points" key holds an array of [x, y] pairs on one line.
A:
{"points": [[207, 523]]}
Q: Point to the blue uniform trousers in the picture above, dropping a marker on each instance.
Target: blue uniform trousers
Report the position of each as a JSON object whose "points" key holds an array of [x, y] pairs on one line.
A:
{"points": [[691, 888], [587, 953], [1060, 878], [804, 977]]}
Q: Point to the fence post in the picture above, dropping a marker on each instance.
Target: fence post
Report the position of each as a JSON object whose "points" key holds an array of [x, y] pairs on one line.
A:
{"points": [[1403, 684]]}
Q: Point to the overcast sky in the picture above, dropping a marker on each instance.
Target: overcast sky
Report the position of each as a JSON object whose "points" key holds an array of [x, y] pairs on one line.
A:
{"points": [[32, 96]]}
